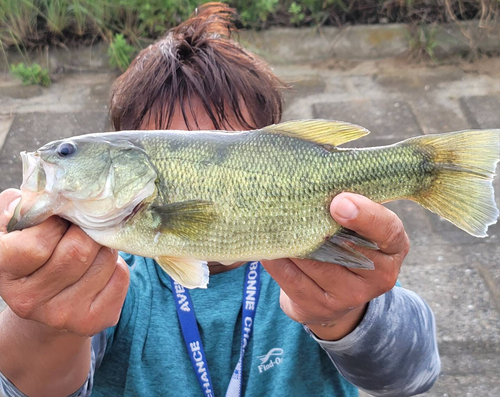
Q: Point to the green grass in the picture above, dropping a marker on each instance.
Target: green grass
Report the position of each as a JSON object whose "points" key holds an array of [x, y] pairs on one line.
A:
{"points": [[56, 15], [36, 23], [31, 75], [18, 21]]}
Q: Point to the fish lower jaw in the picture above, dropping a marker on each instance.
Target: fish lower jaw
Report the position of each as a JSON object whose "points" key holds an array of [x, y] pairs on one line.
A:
{"points": [[89, 223]]}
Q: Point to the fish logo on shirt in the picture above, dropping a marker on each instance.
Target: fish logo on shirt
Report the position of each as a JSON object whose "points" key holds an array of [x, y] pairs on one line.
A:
{"points": [[272, 358]]}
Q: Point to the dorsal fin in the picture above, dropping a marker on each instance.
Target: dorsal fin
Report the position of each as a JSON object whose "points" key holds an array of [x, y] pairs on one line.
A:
{"points": [[323, 132]]}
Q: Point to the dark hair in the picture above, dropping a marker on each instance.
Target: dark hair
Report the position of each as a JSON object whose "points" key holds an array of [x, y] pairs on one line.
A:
{"points": [[197, 61]]}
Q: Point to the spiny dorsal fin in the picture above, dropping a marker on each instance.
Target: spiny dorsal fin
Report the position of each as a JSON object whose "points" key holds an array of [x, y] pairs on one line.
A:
{"points": [[323, 132]]}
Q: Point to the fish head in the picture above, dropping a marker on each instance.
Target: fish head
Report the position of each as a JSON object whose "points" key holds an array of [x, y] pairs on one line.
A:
{"points": [[93, 181]]}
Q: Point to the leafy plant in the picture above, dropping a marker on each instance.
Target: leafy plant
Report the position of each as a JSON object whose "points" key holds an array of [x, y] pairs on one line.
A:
{"points": [[254, 13], [120, 52], [422, 42], [297, 14], [31, 75]]}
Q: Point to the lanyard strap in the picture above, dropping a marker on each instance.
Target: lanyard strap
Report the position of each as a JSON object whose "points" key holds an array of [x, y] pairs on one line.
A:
{"points": [[250, 301], [191, 334], [189, 327]]}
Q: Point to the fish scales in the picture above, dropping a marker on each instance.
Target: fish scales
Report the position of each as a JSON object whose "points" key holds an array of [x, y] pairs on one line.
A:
{"points": [[184, 198], [253, 196], [266, 209]]}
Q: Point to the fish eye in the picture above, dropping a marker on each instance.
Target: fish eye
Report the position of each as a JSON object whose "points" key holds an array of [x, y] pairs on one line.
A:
{"points": [[66, 149]]}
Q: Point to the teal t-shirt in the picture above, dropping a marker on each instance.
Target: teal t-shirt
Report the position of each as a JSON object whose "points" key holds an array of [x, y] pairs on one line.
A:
{"points": [[146, 354], [392, 352]]}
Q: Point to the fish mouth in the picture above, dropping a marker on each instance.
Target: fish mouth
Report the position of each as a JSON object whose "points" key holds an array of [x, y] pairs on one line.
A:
{"points": [[34, 177], [36, 203]]}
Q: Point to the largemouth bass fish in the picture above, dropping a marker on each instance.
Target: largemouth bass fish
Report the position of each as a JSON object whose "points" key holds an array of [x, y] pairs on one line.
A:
{"points": [[188, 197]]}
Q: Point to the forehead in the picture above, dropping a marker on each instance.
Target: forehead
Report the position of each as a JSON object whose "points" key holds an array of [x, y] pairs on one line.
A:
{"points": [[194, 118]]}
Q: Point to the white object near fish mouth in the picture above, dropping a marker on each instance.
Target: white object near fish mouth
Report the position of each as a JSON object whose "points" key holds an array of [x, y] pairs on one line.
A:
{"points": [[36, 204], [32, 171], [38, 175]]}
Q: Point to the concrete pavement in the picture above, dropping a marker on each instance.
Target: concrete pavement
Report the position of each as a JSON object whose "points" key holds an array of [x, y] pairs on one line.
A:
{"points": [[458, 275]]}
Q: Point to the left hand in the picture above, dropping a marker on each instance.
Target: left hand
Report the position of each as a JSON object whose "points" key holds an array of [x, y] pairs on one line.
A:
{"points": [[332, 299]]}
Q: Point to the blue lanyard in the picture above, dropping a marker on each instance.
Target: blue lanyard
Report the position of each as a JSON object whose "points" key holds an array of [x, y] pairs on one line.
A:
{"points": [[191, 334]]}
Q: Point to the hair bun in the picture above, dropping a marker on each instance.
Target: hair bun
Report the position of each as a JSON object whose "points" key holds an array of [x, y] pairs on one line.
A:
{"points": [[211, 21]]}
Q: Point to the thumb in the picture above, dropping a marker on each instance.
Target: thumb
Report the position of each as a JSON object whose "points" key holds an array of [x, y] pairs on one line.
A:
{"points": [[9, 199], [343, 207], [371, 220]]}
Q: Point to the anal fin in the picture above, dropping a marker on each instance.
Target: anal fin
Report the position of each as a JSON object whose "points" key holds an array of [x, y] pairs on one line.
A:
{"points": [[190, 273], [336, 250], [350, 235]]}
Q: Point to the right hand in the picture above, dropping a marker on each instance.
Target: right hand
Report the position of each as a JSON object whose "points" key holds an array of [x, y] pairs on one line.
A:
{"points": [[58, 276]]}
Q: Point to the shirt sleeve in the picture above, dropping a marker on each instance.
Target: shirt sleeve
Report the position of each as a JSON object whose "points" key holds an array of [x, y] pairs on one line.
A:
{"points": [[98, 347], [393, 351]]}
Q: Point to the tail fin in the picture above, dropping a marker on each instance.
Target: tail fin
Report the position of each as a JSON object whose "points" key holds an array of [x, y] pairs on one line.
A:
{"points": [[462, 191]]}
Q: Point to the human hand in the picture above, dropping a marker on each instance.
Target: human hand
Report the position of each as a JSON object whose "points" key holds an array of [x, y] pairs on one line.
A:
{"points": [[56, 275], [332, 299]]}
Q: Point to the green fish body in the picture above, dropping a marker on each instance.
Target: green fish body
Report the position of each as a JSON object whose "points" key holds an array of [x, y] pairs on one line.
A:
{"points": [[185, 197]]}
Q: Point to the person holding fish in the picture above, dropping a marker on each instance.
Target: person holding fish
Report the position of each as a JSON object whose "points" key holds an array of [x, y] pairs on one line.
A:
{"points": [[302, 298]]}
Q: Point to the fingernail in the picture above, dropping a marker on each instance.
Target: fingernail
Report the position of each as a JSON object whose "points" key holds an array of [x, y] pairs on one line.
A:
{"points": [[346, 209], [12, 207]]}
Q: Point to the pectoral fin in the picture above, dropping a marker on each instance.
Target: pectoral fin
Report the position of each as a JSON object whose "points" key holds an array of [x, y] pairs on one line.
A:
{"points": [[190, 273], [323, 132], [189, 219]]}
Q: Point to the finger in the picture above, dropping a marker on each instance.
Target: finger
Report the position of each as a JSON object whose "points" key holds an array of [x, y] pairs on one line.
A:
{"points": [[339, 282], [98, 274], [112, 296], [293, 311], [83, 292], [72, 308], [71, 258], [308, 299], [350, 288], [296, 284], [23, 252], [371, 220], [9, 199]]}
